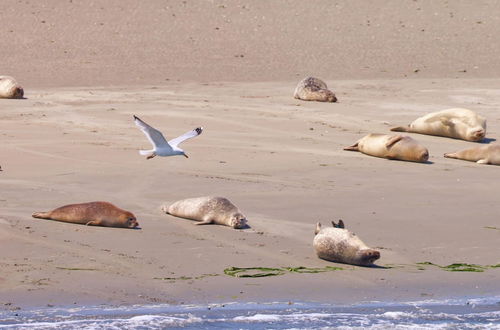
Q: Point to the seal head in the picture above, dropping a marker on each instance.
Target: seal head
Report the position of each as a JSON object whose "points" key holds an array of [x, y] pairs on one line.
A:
{"points": [[10, 89]]}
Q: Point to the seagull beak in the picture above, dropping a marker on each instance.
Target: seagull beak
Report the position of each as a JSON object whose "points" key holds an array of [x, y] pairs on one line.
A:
{"points": [[185, 155]]}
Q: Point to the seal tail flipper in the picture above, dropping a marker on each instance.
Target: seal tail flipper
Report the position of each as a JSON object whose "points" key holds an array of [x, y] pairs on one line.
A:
{"points": [[339, 225], [41, 215], [318, 228], [450, 155], [401, 129], [354, 147]]}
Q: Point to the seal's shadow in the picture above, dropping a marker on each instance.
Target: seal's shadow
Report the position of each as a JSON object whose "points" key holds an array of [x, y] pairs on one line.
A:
{"points": [[487, 140], [377, 267]]}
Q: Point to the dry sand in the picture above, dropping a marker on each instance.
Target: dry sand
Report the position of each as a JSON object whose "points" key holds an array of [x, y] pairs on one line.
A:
{"points": [[280, 160]]}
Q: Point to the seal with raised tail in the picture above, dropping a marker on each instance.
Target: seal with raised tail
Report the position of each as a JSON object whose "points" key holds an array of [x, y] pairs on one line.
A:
{"points": [[10, 88], [313, 89], [208, 210], [91, 214], [457, 123], [489, 154], [391, 147], [338, 244]]}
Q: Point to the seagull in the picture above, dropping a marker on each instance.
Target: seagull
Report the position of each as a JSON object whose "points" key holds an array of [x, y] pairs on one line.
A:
{"points": [[160, 145]]}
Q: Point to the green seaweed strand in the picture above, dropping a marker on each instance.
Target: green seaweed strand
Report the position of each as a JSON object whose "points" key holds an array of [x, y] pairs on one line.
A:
{"points": [[461, 267], [264, 271]]}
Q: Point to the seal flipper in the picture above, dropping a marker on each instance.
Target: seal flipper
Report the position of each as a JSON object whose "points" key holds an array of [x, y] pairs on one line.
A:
{"points": [[93, 223], [204, 222], [393, 140], [450, 155], [401, 129], [41, 215], [339, 225], [318, 228], [446, 121], [482, 161], [354, 147]]}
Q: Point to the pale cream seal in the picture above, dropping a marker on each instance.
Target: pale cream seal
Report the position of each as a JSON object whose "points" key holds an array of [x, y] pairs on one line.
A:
{"points": [[391, 147], [456, 123], [489, 154], [340, 245], [10, 88], [208, 209]]}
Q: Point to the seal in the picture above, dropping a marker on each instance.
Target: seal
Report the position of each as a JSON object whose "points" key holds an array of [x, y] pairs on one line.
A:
{"points": [[313, 89], [489, 154], [10, 89], [91, 214], [391, 147], [457, 123], [208, 209], [340, 245]]}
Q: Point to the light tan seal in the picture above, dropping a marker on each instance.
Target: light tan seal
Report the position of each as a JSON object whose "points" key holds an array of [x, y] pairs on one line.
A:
{"points": [[340, 245], [208, 209], [489, 154], [92, 214], [313, 89], [10, 89], [456, 123], [391, 147]]}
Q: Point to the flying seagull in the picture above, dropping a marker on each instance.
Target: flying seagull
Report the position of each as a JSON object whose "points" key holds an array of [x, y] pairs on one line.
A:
{"points": [[160, 146]]}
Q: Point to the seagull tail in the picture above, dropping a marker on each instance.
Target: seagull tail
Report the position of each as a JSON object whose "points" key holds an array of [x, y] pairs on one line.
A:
{"points": [[146, 152]]}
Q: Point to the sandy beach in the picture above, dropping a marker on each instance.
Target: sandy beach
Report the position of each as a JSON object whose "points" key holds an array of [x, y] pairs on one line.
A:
{"points": [[231, 67]]}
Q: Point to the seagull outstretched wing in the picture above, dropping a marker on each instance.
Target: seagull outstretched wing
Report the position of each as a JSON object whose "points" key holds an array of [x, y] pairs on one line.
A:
{"points": [[188, 135], [154, 136]]}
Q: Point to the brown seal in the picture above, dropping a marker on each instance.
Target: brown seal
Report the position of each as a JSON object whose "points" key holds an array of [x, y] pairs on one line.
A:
{"points": [[92, 214], [208, 209], [313, 89], [489, 154], [10, 89], [391, 147], [456, 123], [340, 245]]}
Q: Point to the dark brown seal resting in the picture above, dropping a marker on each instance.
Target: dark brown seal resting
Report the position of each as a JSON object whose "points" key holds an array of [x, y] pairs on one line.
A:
{"points": [[92, 214]]}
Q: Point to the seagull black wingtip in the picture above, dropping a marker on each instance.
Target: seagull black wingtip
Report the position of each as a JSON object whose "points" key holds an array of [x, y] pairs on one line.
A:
{"points": [[199, 130]]}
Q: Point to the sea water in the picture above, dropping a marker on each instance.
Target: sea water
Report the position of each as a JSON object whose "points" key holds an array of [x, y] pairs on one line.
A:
{"points": [[478, 313]]}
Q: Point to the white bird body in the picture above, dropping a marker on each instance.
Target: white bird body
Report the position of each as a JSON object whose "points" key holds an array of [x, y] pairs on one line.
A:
{"points": [[160, 145]]}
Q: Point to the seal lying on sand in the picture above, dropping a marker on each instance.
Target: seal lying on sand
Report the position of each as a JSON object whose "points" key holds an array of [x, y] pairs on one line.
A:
{"points": [[489, 154], [10, 89], [391, 147], [340, 245], [93, 214], [456, 123], [313, 89], [217, 210]]}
